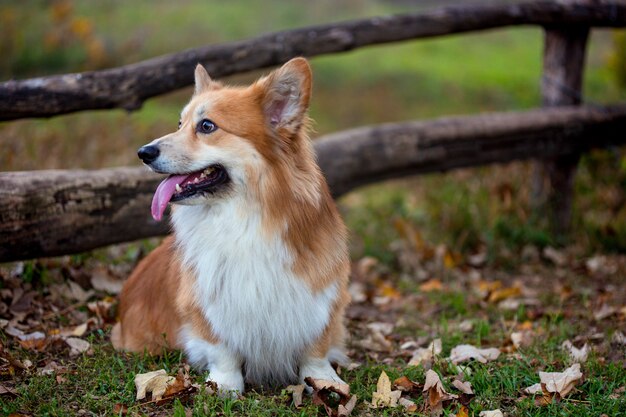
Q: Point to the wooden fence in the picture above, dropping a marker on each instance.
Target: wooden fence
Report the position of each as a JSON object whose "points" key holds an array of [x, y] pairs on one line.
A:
{"points": [[48, 213]]}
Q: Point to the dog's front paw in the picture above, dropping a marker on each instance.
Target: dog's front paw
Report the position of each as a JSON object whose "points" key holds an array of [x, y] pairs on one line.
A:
{"points": [[318, 368], [229, 384]]}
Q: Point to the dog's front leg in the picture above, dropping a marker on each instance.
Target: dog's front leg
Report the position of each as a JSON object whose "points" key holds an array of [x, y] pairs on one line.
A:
{"points": [[224, 366]]}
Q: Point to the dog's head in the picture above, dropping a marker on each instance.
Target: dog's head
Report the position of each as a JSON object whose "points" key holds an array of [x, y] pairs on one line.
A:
{"points": [[227, 136]]}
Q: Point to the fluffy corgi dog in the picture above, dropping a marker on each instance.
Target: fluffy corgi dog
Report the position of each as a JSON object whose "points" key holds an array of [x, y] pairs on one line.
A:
{"points": [[253, 283]]}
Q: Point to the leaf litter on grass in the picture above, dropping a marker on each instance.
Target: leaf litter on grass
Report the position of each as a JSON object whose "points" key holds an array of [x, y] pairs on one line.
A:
{"points": [[408, 323]]}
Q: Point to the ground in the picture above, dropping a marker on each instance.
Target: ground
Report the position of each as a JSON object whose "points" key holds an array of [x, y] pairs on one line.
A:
{"points": [[429, 292]]}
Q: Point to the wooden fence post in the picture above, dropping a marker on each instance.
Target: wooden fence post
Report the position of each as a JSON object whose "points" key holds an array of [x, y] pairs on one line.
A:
{"points": [[563, 67]]}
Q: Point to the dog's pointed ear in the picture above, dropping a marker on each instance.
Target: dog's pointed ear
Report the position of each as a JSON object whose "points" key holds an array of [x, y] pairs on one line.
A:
{"points": [[202, 79], [286, 94]]}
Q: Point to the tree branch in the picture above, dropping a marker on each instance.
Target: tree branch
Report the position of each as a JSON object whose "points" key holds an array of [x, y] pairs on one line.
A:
{"points": [[129, 86], [55, 212]]}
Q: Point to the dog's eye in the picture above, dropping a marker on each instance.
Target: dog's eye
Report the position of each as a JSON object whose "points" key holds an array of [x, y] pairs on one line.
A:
{"points": [[180, 123], [206, 126]]}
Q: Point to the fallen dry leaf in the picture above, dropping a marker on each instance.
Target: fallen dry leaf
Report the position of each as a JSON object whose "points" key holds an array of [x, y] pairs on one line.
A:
{"points": [[435, 393], [431, 285], [491, 413], [561, 383], [322, 390], [484, 287], [120, 409], [463, 412], [408, 405], [103, 309], [376, 340], [155, 382], [405, 385], [4, 390], [522, 339], [463, 353], [384, 396], [77, 346], [51, 368], [534, 389], [503, 293], [618, 338], [556, 257], [464, 387], [296, 394], [575, 354], [102, 279], [357, 292], [72, 291], [346, 410], [604, 312], [424, 355]]}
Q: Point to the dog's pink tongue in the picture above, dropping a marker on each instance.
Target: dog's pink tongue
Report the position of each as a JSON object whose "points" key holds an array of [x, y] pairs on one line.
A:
{"points": [[163, 195]]}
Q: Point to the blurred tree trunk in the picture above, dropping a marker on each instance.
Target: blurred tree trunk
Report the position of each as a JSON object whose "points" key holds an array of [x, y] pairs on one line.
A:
{"points": [[553, 178]]}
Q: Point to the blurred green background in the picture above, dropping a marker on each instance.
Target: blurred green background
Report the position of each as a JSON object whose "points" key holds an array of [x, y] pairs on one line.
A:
{"points": [[466, 210]]}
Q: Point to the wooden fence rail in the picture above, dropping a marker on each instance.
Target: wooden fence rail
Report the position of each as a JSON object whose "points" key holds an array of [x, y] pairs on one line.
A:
{"points": [[47, 213], [129, 86]]}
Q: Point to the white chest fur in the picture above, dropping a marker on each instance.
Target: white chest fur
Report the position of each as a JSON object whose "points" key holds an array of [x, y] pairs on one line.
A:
{"points": [[247, 290]]}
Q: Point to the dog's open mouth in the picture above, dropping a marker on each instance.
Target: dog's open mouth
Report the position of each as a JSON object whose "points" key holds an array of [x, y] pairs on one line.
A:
{"points": [[180, 187]]}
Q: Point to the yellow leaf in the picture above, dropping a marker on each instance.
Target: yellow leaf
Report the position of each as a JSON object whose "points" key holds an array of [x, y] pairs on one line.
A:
{"points": [[384, 396], [463, 412], [431, 285], [448, 261], [504, 293]]}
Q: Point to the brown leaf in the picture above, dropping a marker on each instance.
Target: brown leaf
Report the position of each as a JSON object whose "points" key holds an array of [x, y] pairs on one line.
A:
{"points": [[5, 390], [103, 309], [435, 393], [38, 345], [404, 384], [384, 396], [346, 410], [296, 394], [120, 409], [322, 390]]}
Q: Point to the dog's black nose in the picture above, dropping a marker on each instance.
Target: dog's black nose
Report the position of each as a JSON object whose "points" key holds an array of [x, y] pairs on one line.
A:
{"points": [[148, 153]]}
